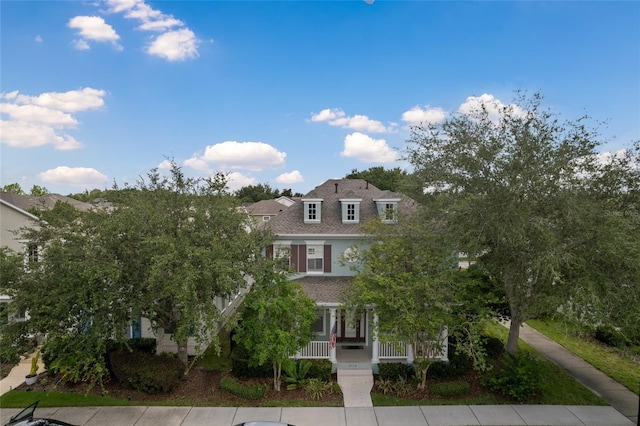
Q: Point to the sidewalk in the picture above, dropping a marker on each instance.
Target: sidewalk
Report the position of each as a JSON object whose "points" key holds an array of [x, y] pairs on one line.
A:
{"points": [[336, 416], [620, 398]]}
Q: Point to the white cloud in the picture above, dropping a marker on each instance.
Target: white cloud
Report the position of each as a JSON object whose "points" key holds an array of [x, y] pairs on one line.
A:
{"points": [[94, 28], [474, 104], [291, 177], [81, 44], [236, 180], [430, 115], [175, 45], [337, 117], [75, 176], [43, 120], [368, 150], [38, 38], [165, 165], [254, 156]]}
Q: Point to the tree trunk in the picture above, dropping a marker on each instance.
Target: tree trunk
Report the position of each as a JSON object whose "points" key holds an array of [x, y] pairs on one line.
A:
{"points": [[276, 375], [183, 355], [514, 334], [423, 378]]}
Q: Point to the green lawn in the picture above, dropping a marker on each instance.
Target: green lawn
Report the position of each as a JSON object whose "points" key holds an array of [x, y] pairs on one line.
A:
{"points": [[608, 360]]}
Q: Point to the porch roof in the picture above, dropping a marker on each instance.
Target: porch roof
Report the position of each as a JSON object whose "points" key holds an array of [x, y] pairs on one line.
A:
{"points": [[323, 289]]}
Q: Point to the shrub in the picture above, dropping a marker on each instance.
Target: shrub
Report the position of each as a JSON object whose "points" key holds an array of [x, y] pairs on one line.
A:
{"points": [[295, 372], [493, 347], [320, 369], [231, 385], [458, 365], [316, 388], [610, 337], [241, 367], [394, 371], [147, 373], [386, 386], [518, 377], [455, 388]]}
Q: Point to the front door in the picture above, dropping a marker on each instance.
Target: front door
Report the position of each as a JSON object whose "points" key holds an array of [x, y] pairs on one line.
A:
{"points": [[351, 327]]}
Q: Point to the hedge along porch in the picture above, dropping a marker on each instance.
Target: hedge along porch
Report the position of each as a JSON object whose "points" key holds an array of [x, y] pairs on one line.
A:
{"points": [[356, 342]]}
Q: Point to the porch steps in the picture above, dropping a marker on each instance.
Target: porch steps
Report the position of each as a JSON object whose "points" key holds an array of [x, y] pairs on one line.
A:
{"points": [[356, 385]]}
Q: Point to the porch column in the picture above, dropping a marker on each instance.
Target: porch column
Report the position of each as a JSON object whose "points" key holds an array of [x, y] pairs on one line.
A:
{"points": [[375, 356], [409, 353], [332, 321]]}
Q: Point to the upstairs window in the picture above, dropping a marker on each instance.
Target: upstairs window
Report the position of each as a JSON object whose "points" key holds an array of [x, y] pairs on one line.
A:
{"points": [[312, 210], [388, 210], [315, 258], [350, 210]]}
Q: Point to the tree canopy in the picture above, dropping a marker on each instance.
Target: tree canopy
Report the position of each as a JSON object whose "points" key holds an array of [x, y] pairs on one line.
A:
{"points": [[408, 274], [168, 248], [381, 178], [261, 191], [527, 196], [276, 322]]}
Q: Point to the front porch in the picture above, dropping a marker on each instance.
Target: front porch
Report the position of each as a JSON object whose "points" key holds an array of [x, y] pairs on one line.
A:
{"points": [[357, 345]]}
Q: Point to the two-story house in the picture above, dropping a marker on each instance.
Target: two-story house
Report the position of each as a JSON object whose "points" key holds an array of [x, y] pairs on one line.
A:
{"points": [[316, 238]]}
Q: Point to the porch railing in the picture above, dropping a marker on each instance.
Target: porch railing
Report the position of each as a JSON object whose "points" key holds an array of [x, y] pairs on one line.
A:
{"points": [[389, 350], [316, 349]]}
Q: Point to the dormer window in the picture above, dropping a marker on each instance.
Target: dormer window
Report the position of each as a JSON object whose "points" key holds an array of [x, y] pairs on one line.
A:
{"points": [[388, 209], [312, 210], [350, 210]]}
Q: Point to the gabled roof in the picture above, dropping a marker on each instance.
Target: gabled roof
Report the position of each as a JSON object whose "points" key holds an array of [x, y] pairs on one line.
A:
{"points": [[266, 207], [45, 202], [291, 221]]}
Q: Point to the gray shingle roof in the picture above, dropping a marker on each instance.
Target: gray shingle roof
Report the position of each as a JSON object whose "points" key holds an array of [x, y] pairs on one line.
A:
{"points": [[45, 202], [323, 289], [266, 207], [291, 221]]}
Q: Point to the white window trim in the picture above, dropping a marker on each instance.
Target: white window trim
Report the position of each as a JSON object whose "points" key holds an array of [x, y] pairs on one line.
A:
{"points": [[306, 202], [319, 245], [344, 203], [324, 324]]}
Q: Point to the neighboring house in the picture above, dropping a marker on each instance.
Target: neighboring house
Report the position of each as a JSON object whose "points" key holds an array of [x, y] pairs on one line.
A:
{"points": [[310, 238], [12, 219], [265, 210]]}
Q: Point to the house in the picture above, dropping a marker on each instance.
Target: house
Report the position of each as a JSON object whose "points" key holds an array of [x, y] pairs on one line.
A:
{"points": [[265, 210], [316, 239]]}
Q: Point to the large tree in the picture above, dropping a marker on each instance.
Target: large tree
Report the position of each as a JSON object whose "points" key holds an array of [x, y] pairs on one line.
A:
{"points": [[165, 251], [408, 274], [516, 188], [381, 178], [276, 322]]}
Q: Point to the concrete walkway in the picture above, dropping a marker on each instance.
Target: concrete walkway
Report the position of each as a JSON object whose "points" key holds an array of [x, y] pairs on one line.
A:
{"points": [[17, 374], [356, 387], [620, 398]]}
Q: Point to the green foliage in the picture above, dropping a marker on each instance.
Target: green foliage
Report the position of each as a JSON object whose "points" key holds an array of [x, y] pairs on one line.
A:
{"points": [[320, 369], [276, 321], [242, 368], [386, 386], [395, 370], [295, 372], [33, 370], [76, 358], [458, 365], [611, 337], [494, 347], [252, 392], [518, 377], [14, 188], [148, 373], [456, 388], [255, 193], [38, 191], [528, 197], [381, 178], [146, 345], [317, 388]]}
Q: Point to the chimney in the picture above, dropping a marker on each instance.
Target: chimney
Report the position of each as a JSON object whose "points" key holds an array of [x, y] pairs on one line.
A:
{"points": [[336, 187], [367, 187]]}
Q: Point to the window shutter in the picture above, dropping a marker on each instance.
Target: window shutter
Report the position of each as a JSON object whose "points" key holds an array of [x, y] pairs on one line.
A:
{"points": [[294, 257], [302, 255], [269, 253], [327, 258]]}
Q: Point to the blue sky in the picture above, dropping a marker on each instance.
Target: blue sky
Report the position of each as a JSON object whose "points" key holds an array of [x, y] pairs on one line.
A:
{"points": [[288, 93]]}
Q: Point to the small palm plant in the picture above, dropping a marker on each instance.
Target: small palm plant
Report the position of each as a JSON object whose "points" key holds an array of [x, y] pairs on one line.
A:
{"points": [[34, 365]]}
